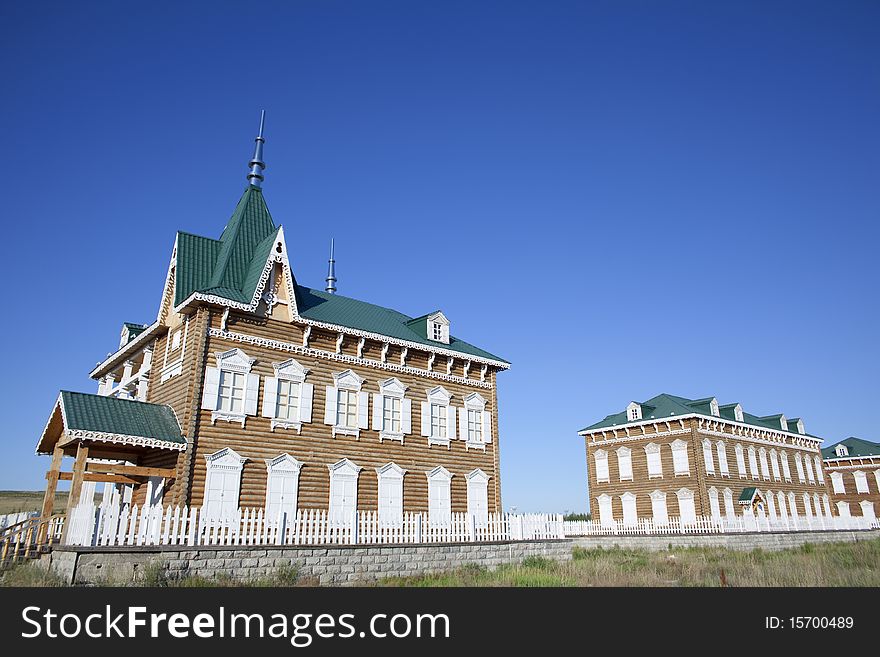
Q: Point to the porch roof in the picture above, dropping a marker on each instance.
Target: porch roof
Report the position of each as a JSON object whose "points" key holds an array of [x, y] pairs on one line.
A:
{"points": [[748, 495], [83, 416]]}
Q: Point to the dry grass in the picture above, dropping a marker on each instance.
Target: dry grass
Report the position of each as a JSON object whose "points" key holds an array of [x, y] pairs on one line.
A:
{"points": [[830, 564], [13, 501]]}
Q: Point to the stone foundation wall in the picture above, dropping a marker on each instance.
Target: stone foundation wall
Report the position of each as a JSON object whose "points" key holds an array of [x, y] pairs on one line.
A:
{"points": [[764, 541], [327, 564]]}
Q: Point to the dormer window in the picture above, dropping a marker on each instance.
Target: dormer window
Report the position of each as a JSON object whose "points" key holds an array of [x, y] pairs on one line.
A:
{"points": [[841, 450], [783, 423], [633, 412], [738, 413], [800, 426], [713, 408], [438, 328]]}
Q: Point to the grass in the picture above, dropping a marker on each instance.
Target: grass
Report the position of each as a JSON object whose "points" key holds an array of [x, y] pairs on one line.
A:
{"points": [[827, 564], [13, 501]]}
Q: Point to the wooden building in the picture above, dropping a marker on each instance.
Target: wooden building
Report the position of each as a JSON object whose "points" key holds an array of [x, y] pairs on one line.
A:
{"points": [[281, 396], [853, 469], [675, 457]]}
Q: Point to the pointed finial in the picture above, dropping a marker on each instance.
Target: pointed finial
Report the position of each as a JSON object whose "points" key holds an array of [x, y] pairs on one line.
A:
{"points": [[331, 273], [255, 177]]}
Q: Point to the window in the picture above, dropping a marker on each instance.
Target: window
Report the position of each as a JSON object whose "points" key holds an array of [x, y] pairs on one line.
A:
{"points": [[826, 503], [753, 462], [765, 467], [808, 464], [222, 483], [287, 399], [713, 408], [707, 457], [843, 509], [861, 481], [655, 466], [807, 508], [658, 508], [175, 340], [841, 450], [630, 515], [605, 514], [771, 504], [837, 483], [439, 500], [774, 463], [601, 460], [867, 509], [792, 507], [475, 422], [729, 507], [343, 491], [738, 413], [624, 464], [799, 466], [478, 496], [390, 494], [392, 412], [780, 500], [783, 423], [740, 461], [714, 506], [347, 405], [230, 390], [438, 327], [786, 472], [438, 417], [633, 411], [680, 463], [686, 509], [819, 475], [721, 451], [817, 505], [282, 486]]}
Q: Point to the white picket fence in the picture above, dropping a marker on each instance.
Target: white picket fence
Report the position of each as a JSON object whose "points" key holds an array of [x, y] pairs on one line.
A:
{"points": [[9, 519], [127, 526], [722, 525]]}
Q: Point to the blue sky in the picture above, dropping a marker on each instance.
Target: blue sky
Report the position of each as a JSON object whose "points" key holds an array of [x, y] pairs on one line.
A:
{"points": [[621, 198]]}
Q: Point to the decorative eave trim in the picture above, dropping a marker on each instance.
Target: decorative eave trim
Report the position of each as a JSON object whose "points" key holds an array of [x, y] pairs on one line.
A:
{"points": [[833, 462], [851, 466], [703, 418], [139, 342], [124, 439], [343, 358]]}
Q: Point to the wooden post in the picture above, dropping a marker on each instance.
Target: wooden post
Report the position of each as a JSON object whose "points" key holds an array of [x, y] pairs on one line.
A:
{"points": [[49, 495], [76, 482]]}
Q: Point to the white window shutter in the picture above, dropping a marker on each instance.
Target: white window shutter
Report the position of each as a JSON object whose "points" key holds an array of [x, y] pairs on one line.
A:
{"points": [[487, 427], [270, 396], [364, 410], [212, 388], [377, 411], [406, 416], [305, 405], [462, 423], [251, 393], [450, 422], [330, 406], [426, 419]]}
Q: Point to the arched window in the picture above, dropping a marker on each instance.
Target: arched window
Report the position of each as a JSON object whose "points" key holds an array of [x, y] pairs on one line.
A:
{"points": [[686, 509], [658, 508], [630, 515], [600, 457], [624, 464]]}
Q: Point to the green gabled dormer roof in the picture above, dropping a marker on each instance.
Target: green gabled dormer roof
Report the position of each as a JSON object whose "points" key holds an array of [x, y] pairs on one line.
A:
{"points": [[855, 447]]}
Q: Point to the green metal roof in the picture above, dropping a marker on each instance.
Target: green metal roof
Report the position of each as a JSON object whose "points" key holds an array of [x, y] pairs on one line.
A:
{"points": [[132, 330], [230, 268], [665, 406], [855, 447], [87, 412], [748, 494]]}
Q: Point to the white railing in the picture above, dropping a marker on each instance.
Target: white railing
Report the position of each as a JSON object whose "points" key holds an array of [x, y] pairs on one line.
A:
{"points": [[129, 526], [9, 519], [721, 525]]}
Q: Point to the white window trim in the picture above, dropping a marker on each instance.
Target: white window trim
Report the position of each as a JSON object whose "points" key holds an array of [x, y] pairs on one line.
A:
{"points": [[390, 474], [392, 388], [624, 452], [343, 467], [442, 475], [233, 361], [774, 465], [629, 499], [288, 370], [786, 467], [440, 319], [654, 448], [605, 505], [658, 497], [764, 463], [837, 478], [860, 476], [741, 470], [478, 477], [680, 446], [723, 463], [633, 412], [601, 455], [223, 459], [708, 457], [477, 403], [441, 397], [348, 380]]}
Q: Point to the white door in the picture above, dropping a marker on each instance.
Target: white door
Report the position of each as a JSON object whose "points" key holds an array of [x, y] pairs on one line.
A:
{"points": [[281, 495], [343, 496], [478, 502], [391, 501], [221, 492], [439, 504]]}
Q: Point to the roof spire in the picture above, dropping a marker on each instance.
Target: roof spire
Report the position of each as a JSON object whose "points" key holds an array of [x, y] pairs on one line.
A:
{"points": [[255, 177], [331, 273]]}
